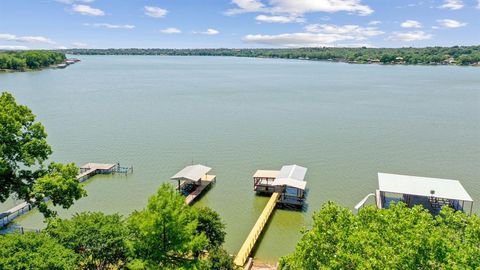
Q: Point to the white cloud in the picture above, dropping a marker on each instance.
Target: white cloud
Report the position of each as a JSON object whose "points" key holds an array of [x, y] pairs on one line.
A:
{"points": [[448, 23], [61, 47], [210, 32], [374, 22], [155, 12], [246, 6], [306, 6], [79, 45], [353, 31], [319, 35], [87, 10], [110, 26], [27, 39], [452, 4], [478, 5], [279, 19], [297, 39], [13, 47], [410, 36], [299, 7], [411, 24], [171, 30]]}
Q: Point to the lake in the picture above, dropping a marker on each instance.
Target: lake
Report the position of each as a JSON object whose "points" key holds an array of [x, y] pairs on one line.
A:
{"points": [[343, 122]]}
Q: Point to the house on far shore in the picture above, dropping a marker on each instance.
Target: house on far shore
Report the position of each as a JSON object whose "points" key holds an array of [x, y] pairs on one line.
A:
{"points": [[449, 61], [399, 60], [431, 193]]}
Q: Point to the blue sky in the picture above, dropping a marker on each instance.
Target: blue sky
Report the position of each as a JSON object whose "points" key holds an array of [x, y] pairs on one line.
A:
{"points": [[32, 24]]}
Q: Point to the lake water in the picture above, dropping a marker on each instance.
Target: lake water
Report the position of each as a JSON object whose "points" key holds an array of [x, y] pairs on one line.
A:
{"points": [[344, 122]]}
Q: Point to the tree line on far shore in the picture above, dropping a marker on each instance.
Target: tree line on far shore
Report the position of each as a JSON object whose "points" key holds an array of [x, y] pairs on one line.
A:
{"points": [[456, 55], [29, 60]]}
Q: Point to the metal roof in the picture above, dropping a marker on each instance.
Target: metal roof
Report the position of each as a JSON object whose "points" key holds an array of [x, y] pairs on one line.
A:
{"points": [[290, 182], [291, 175], [265, 174], [193, 173], [423, 186], [292, 171]]}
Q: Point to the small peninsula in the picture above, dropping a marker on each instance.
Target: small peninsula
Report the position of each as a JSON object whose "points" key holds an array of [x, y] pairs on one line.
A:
{"points": [[29, 60]]}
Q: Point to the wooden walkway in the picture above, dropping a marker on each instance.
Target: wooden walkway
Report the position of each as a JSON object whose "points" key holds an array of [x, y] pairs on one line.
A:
{"points": [[257, 229], [206, 181]]}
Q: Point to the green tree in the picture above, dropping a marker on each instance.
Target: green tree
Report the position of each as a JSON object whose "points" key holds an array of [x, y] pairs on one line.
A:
{"points": [[99, 239], [23, 151], [34, 251], [395, 238], [165, 232], [218, 259], [210, 223], [29, 59]]}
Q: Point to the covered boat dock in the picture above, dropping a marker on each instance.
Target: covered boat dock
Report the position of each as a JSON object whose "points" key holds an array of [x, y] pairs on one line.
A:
{"points": [[431, 193], [291, 184], [192, 181], [286, 187]]}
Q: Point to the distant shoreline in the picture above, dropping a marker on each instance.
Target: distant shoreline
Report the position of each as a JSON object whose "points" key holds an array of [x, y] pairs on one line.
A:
{"points": [[429, 56]]}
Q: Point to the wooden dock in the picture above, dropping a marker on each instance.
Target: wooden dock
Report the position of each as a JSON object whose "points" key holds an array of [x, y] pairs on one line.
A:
{"points": [[13, 213], [90, 169], [256, 231], [86, 171], [206, 181]]}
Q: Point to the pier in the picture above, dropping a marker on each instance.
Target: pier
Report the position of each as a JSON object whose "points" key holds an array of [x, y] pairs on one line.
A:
{"points": [[256, 231], [90, 169], [287, 189], [86, 171], [193, 181]]}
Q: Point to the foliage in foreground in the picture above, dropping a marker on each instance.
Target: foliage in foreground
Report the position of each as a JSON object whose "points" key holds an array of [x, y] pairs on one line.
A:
{"points": [[395, 238], [100, 240], [23, 60], [23, 151], [34, 251], [170, 234], [167, 234]]}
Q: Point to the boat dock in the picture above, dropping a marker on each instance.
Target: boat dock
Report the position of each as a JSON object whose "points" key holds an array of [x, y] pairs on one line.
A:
{"points": [[287, 189], [257, 229], [13, 213], [86, 171], [90, 169], [192, 181], [431, 193]]}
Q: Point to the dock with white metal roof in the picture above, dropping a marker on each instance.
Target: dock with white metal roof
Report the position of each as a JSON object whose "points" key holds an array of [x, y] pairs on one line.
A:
{"points": [[432, 193], [193, 181], [286, 187]]}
